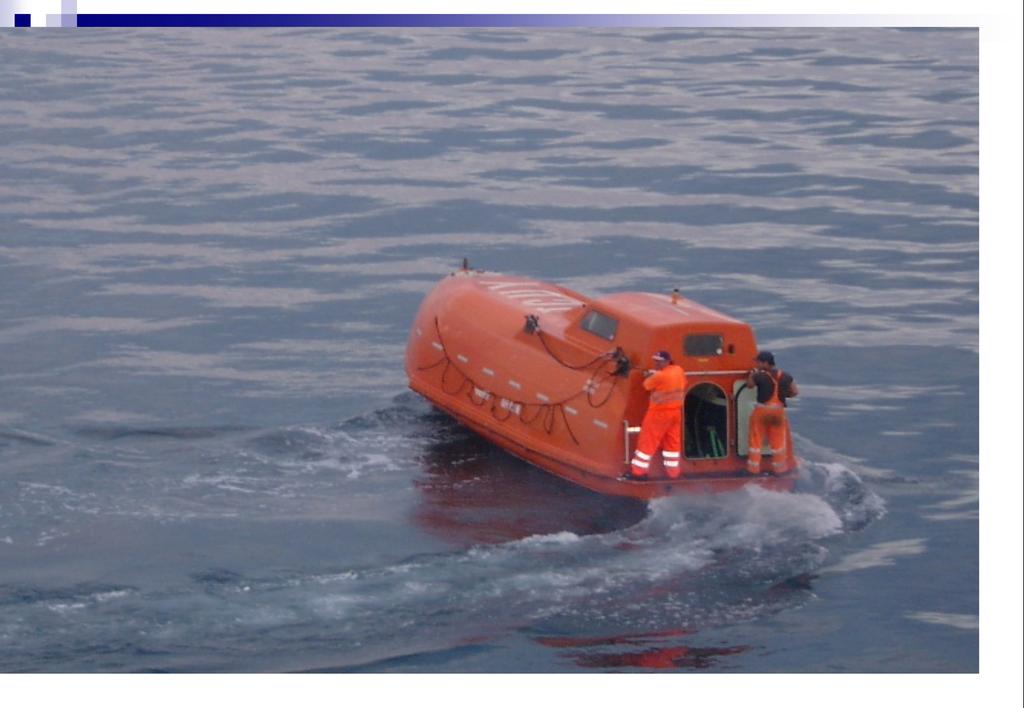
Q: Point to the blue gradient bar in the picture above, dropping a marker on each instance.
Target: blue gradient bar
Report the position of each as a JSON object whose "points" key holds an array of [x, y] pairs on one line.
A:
{"points": [[508, 20]]}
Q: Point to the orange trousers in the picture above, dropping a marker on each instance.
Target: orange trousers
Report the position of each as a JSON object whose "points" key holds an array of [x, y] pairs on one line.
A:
{"points": [[660, 428], [767, 422]]}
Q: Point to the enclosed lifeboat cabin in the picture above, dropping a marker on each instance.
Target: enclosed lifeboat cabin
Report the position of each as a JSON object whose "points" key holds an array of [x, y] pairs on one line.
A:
{"points": [[555, 378]]}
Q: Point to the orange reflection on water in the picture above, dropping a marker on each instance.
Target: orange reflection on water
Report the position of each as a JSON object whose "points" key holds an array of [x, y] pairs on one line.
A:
{"points": [[471, 492], [646, 657]]}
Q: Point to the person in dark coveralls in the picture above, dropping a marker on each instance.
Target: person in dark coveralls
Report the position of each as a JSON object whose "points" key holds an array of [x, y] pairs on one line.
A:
{"points": [[768, 421]]}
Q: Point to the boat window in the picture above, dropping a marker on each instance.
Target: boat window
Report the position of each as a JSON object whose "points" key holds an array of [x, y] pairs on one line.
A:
{"points": [[705, 431], [601, 325], [703, 345]]}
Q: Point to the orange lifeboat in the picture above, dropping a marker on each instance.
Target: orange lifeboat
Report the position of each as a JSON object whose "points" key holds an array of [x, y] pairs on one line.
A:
{"points": [[555, 378]]}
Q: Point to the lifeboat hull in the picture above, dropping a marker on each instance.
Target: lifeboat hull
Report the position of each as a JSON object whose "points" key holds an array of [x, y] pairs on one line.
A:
{"points": [[602, 484], [538, 370]]}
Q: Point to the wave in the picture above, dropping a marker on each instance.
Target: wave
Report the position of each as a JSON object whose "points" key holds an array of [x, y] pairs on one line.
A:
{"points": [[685, 562]]}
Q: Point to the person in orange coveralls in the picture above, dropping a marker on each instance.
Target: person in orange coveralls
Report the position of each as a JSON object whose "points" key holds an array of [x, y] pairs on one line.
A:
{"points": [[768, 419], [662, 424]]}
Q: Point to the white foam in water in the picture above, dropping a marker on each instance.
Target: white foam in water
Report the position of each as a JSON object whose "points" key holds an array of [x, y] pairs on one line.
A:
{"points": [[958, 621], [683, 546], [814, 455], [369, 452], [64, 607], [881, 554], [856, 503], [776, 517], [839, 480], [751, 516], [374, 462], [110, 595], [679, 536], [562, 538], [672, 560]]}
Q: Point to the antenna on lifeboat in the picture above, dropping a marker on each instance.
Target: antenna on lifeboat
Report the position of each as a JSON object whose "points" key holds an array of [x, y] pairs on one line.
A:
{"points": [[465, 264], [675, 296]]}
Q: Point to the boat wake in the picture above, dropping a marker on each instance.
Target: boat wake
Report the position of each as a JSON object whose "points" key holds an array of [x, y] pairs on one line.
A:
{"points": [[521, 553]]}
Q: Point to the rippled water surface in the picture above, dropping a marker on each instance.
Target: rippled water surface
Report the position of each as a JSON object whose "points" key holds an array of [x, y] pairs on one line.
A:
{"points": [[212, 244]]}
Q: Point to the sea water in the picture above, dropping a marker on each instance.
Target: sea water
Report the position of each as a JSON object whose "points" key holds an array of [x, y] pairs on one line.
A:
{"points": [[213, 243]]}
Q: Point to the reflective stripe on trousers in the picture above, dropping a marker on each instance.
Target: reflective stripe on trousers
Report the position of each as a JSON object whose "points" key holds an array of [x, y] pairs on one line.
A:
{"points": [[661, 428]]}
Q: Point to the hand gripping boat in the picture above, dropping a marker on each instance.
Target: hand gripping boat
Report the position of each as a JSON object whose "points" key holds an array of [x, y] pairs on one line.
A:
{"points": [[555, 378]]}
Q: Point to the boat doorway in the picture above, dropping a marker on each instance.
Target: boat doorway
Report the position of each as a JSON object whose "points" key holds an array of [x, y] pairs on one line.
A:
{"points": [[705, 422]]}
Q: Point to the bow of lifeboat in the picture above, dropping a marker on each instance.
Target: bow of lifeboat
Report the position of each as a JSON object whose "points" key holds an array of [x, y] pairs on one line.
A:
{"points": [[555, 378]]}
